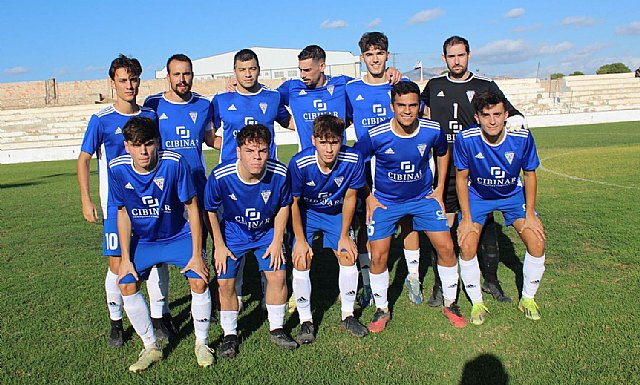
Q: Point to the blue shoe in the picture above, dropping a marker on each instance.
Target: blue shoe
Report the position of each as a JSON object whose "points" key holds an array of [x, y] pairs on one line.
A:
{"points": [[415, 294]]}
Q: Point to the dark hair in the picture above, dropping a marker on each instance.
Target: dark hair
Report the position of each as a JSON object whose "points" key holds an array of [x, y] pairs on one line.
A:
{"points": [[131, 64], [312, 52], [328, 126], [453, 40], [245, 55], [140, 130], [403, 88], [256, 133], [179, 57], [486, 99], [373, 40]]}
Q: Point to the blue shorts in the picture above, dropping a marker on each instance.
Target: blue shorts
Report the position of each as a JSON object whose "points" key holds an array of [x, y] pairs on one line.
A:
{"points": [[329, 225], [427, 215], [110, 240], [240, 250], [512, 208], [145, 255]]}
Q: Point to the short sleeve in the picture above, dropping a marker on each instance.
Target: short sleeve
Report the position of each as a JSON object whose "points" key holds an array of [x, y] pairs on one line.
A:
{"points": [[212, 194], [92, 137], [460, 155]]}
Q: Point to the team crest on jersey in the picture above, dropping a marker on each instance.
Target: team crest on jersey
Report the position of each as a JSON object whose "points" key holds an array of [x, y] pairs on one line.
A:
{"points": [[263, 107], [421, 148], [194, 116], [330, 89], [159, 181], [118, 131], [470, 95], [265, 195], [509, 155], [339, 180]]}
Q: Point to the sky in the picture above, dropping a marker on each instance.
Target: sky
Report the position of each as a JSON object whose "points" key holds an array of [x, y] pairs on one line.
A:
{"points": [[76, 40]]}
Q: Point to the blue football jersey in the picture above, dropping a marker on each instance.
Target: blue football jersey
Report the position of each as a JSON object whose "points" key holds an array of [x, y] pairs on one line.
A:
{"points": [[306, 104], [325, 192], [494, 169], [402, 169], [368, 104], [104, 138], [248, 209], [234, 110], [182, 126], [154, 200]]}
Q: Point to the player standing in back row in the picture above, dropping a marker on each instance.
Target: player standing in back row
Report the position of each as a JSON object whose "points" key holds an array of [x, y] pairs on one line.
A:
{"points": [[448, 98]]}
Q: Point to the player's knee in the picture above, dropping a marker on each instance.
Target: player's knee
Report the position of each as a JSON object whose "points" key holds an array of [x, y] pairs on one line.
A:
{"points": [[129, 288], [198, 285], [535, 247], [114, 264], [226, 288], [468, 250]]}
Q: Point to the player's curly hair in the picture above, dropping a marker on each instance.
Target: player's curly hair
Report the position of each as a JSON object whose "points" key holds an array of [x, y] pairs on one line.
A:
{"points": [[328, 127], [486, 99], [254, 133], [140, 130], [314, 52], [403, 88], [131, 64], [373, 40]]}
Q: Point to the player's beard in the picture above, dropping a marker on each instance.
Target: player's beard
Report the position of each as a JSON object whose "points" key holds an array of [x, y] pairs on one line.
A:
{"points": [[182, 94], [458, 73]]}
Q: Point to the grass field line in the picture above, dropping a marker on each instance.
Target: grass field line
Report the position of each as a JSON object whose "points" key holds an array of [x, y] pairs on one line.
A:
{"points": [[573, 177]]}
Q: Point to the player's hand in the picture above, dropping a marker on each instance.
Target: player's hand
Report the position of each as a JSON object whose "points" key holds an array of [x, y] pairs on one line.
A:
{"points": [[516, 123], [89, 212], [347, 247], [372, 204], [231, 84], [198, 264], [466, 228], [276, 253], [220, 255], [438, 195], [534, 224], [301, 253], [126, 268], [393, 75]]}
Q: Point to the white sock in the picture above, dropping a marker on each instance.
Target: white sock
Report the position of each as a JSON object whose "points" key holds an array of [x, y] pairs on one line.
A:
{"points": [[275, 314], [138, 314], [532, 274], [201, 314], [449, 278], [114, 296], [365, 263], [301, 283], [240, 277], [348, 284], [229, 321], [158, 289], [379, 288], [412, 257], [470, 274]]}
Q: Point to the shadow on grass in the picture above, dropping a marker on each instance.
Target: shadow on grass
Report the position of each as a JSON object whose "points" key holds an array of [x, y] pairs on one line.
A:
{"points": [[484, 369], [34, 182], [509, 258]]}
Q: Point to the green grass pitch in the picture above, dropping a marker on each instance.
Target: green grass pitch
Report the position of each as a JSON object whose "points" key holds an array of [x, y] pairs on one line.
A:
{"points": [[53, 319]]}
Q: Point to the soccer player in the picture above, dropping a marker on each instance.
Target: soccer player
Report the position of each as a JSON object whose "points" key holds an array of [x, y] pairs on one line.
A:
{"points": [[249, 103], [448, 98], [368, 101], [158, 222], [325, 179], [248, 200], [104, 138], [488, 161], [402, 185], [184, 120]]}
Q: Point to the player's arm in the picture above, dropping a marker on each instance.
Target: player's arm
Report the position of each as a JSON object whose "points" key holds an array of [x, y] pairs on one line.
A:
{"points": [[531, 220], [210, 135], [84, 169], [393, 75], [275, 248], [197, 263], [442, 164], [124, 235], [301, 250], [465, 227], [345, 243]]}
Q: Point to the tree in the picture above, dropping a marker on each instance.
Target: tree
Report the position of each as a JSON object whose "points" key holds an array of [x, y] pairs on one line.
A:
{"points": [[576, 73], [613, 68], [556, 75]]}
